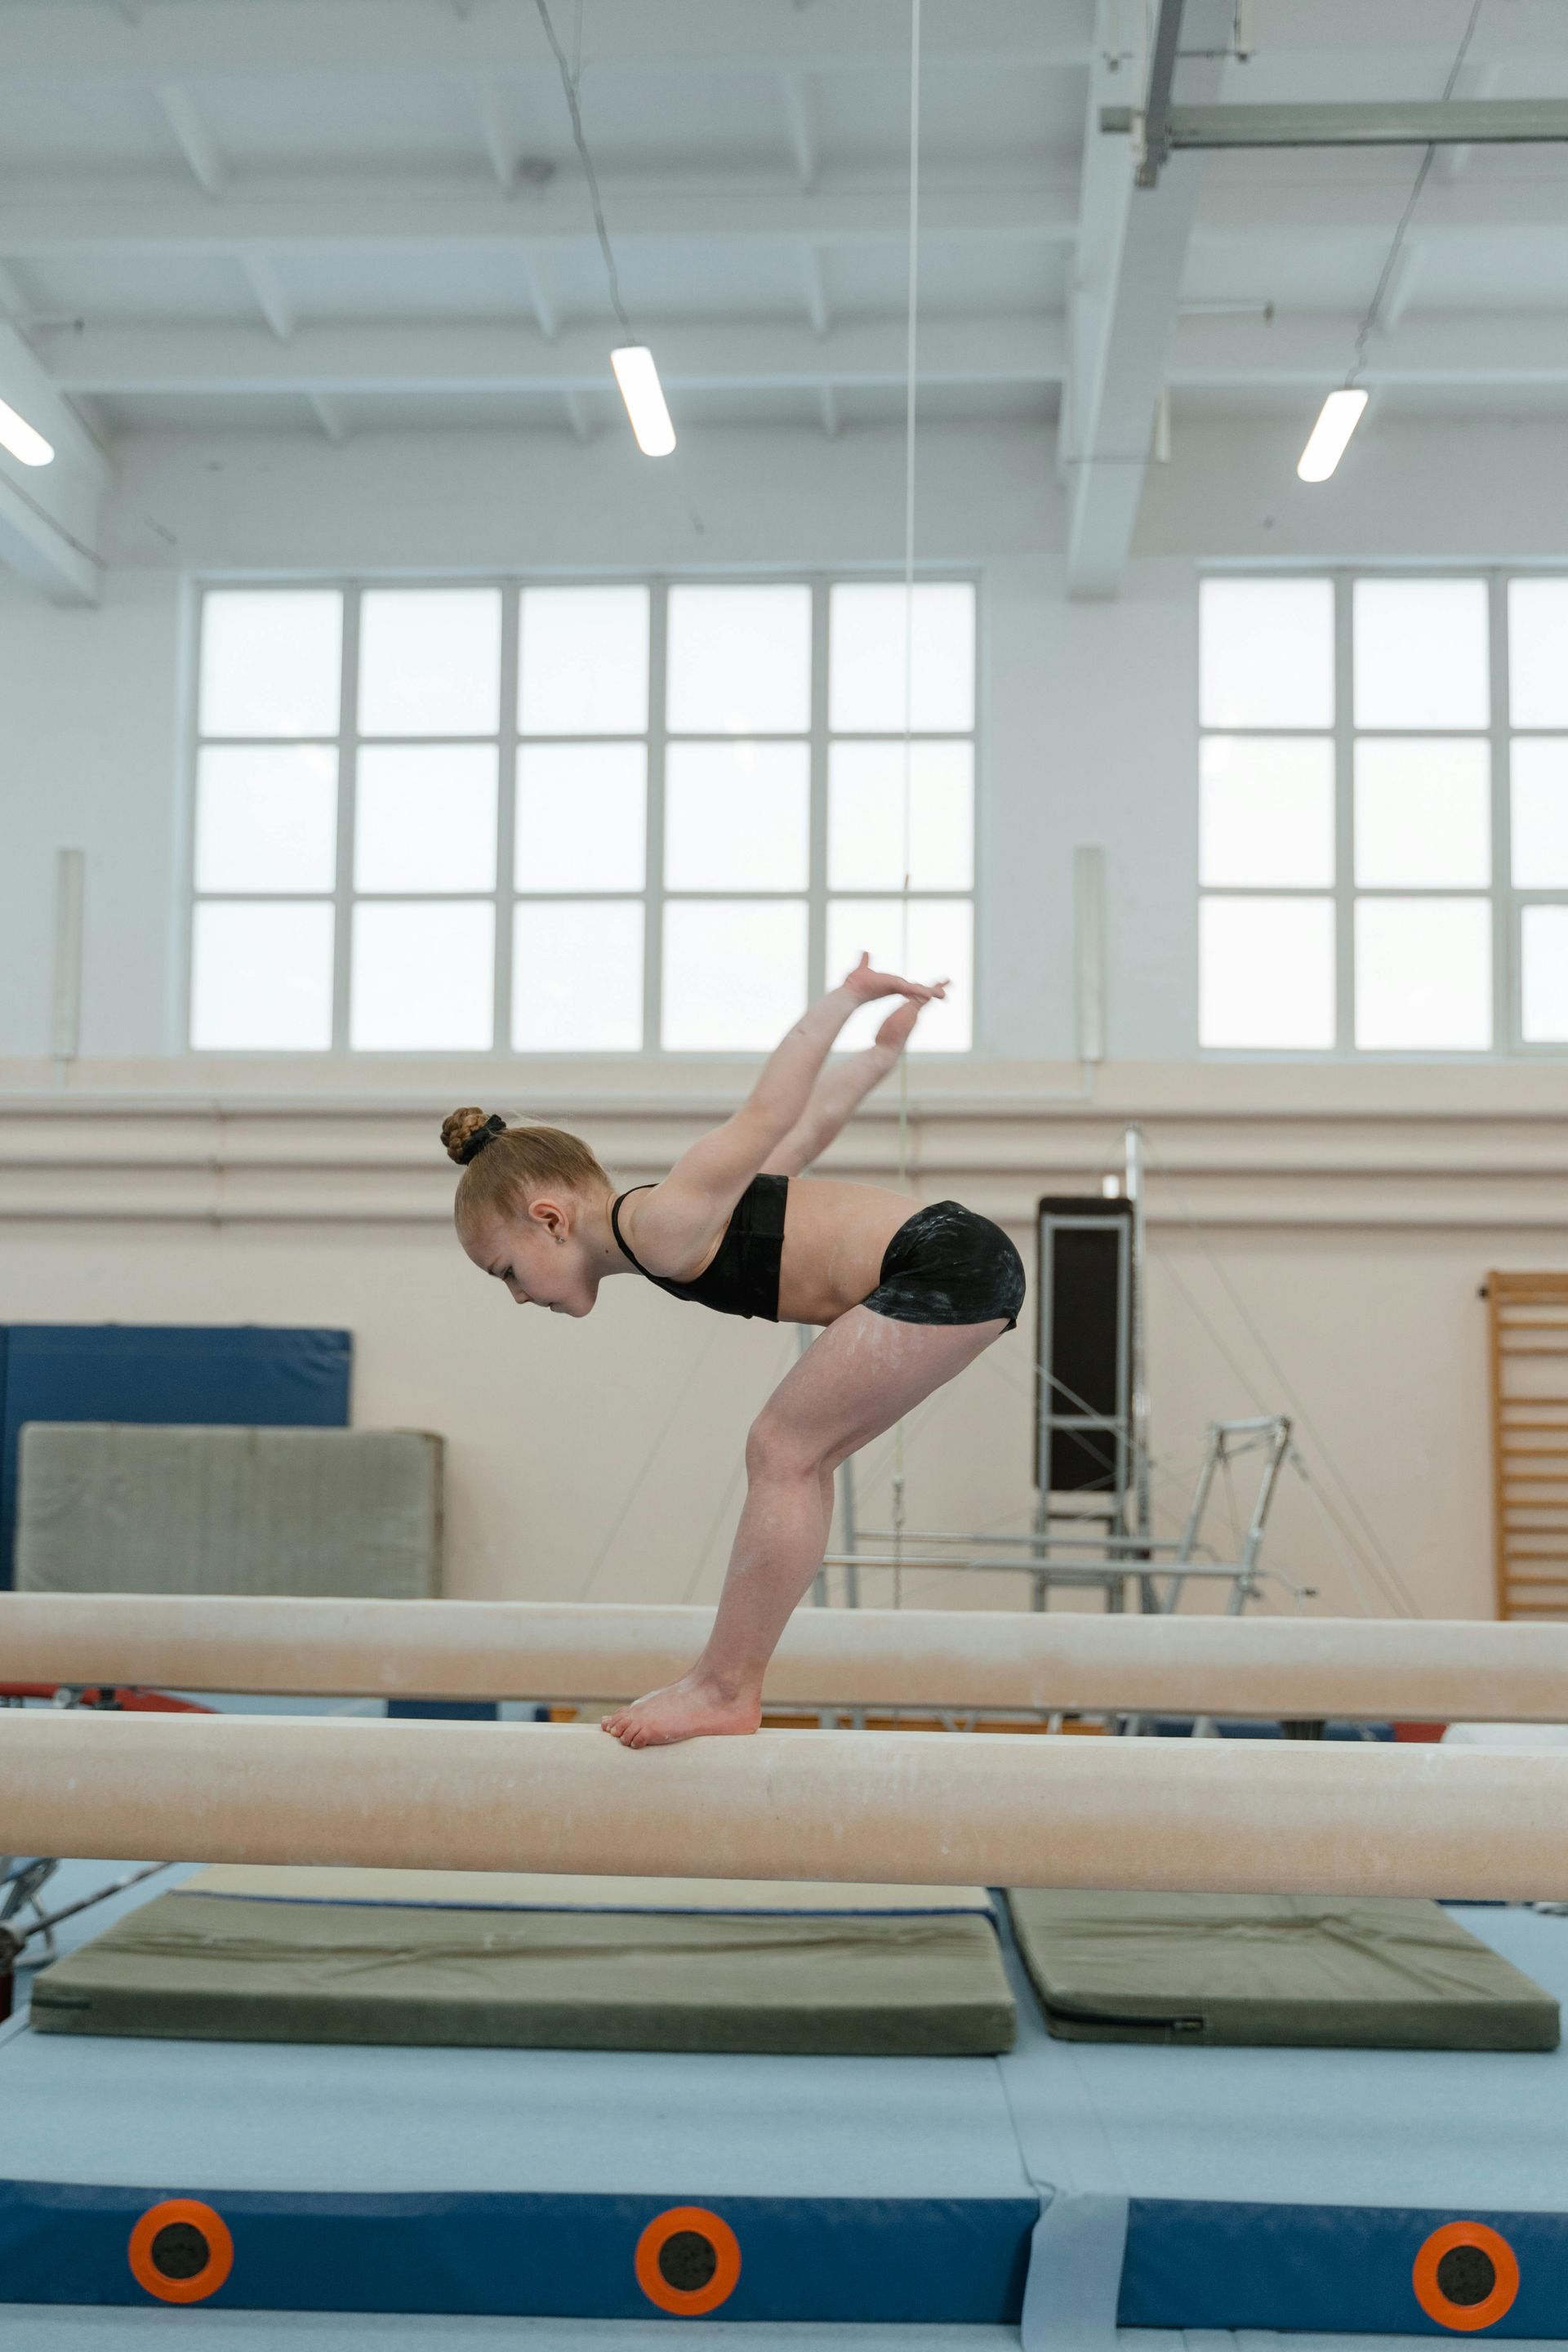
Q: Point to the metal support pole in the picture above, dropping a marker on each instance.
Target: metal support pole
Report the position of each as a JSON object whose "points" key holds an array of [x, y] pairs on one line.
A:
{"points": [[1142, 1515], [69, 893]]}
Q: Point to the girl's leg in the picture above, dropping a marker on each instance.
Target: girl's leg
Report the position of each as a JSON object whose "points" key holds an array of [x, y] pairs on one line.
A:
{"points": [[851, 1384]]}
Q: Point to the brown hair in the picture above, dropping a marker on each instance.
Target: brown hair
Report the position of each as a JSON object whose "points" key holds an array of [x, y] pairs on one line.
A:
{"points": [[510, 1163]]}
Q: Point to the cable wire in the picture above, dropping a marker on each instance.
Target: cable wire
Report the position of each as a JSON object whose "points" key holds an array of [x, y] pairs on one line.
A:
{"points": [[1375, 305], [569, 82], [911, 357]]}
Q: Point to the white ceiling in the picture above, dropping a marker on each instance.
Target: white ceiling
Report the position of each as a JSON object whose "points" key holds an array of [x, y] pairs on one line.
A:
{"points": [[330, 216]]}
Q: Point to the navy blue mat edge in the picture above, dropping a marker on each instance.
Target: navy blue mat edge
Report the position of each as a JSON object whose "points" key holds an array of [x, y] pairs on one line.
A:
{"points": [[1189, 2264]]}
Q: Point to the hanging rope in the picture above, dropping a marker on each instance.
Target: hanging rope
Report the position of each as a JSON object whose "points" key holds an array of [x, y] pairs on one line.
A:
{"points": [[912, 355]]}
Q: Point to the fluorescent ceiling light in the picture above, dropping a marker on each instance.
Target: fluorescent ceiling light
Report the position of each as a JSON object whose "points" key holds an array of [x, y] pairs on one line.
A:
{"points": [[1337, 420], [644, 396], [17, 435]]}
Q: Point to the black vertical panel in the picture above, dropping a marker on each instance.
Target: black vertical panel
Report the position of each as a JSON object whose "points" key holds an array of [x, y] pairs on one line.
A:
{"points": [[1084, 1336]]}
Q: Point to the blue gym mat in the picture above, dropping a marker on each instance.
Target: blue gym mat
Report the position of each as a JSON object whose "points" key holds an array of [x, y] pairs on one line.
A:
{"points": [[246, 1375], [1210, 2191]]}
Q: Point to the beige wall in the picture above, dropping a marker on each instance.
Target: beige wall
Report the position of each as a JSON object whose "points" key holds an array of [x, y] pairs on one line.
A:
{"points": [[1318, 1240]]}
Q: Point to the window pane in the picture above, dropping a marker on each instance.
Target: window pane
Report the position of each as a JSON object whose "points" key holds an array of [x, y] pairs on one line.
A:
{"points": [[737, 817], [1421, 653], [867, 626], [740, 661], [734, 973], [941, 945], [576, 978], [423, 978], [1266, 973], [261, 979], [866, 816], [1267, 811], [270, 661], [1544, 940], [581, 817], [1423, 813], [427, 817], [584, 661], [1265, 653], [429, 661], [1537, 652], [1423, 975], [1539, 766], [266, 818]]}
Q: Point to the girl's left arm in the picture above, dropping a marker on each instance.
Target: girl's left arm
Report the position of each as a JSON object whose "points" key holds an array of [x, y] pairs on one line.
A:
{"points": [[677, 1222], [840, 1090]]}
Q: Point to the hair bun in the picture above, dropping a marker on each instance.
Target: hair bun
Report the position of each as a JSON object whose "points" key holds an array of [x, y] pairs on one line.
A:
{"points": [[467, 1132]]}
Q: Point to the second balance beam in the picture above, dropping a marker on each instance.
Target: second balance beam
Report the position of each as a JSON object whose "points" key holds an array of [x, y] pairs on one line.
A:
{"points": [[1371, 1670]]}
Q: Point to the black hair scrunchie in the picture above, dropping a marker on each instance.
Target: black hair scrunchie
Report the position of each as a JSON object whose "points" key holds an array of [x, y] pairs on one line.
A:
{"points": [[476, 1143]]}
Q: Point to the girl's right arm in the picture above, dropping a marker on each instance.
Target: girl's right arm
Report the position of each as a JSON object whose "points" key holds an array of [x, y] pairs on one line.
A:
{"points": [[677, 1222]]}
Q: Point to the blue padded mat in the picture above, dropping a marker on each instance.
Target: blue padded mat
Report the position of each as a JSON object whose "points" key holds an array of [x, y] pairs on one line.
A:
{"points": [[1264, 2188], [246, 1376]]}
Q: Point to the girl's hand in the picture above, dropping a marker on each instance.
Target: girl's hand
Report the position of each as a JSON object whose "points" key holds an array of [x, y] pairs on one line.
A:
{"points": [[897, 1029], [866, 986]]}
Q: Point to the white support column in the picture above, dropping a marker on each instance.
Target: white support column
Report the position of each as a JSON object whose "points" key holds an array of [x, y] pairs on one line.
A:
{"points": [[1132, 244]]}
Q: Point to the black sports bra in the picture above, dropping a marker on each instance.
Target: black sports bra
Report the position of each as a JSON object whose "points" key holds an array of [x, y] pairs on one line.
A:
{"points": [[742, 1277]]}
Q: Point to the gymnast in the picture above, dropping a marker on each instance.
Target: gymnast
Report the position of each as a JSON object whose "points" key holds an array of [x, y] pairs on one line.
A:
{"points": [[905, 1302]]}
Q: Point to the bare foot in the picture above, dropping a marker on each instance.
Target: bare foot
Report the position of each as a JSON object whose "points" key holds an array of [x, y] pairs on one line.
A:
{"points": [[693, 1708]]}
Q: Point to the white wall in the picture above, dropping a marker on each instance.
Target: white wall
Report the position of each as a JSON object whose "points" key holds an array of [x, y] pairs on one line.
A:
{"points": [[1354, 1210]]}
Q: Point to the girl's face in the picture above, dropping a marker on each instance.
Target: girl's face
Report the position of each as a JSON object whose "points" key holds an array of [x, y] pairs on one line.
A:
{"points": [[540, 1252]]}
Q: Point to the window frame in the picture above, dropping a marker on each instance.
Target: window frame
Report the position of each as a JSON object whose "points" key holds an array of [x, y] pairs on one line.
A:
{"points": [[505, 897], [1505, 901]]}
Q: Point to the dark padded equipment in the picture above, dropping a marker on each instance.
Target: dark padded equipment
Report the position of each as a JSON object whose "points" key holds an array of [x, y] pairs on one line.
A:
{"points": [[219, 1969], [1306, 1972]]}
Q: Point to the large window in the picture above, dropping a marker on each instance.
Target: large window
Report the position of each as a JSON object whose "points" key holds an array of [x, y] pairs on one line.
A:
{"points": [[576, 819], [1383, 820]]}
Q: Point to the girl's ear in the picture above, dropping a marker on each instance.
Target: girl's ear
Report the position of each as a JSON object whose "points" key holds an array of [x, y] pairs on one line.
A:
{"points": [[549, 1213]]}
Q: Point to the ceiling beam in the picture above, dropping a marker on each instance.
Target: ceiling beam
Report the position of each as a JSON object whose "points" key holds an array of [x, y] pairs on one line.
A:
{"points": [[1124, 291], [269, 294], [372, 358], [1429, 349], [193, 138], [43, 41], [1211, 352], [1391, 122], [499, 133], [540, 297], [795, 95], [815, 290], [328, 416], [718, 208]]}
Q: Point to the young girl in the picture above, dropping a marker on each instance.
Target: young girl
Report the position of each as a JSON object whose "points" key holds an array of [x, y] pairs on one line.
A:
{"points": [[906, 1302]]}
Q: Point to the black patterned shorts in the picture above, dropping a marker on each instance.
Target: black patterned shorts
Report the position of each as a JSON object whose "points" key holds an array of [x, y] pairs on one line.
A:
{"points": [[948, 1265]]}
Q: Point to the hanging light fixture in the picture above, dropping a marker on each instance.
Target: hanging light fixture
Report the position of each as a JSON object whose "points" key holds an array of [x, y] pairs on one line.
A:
{"points": [[644, 396], [27, 446], [1326, 444], [632, 361]]}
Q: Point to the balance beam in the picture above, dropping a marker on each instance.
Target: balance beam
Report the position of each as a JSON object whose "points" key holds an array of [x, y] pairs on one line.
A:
{"points": [[1209, 1816], [1370, 1669]]}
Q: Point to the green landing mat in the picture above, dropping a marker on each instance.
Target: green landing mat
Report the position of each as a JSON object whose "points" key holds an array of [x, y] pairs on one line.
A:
{"points": [[1308, 1971], [216, 1969]]}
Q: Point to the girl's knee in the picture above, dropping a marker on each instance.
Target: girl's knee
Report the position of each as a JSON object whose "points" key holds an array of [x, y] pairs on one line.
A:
{"points": [[776, 1451]]}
